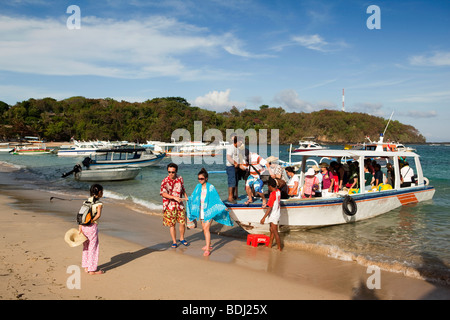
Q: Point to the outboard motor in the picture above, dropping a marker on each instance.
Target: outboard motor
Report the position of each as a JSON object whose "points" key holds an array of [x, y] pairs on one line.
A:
{"points": [[87, 162], [76, 168]]}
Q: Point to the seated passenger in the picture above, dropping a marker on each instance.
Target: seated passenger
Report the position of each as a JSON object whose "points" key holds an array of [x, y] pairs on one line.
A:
{"points": [[293, 182], [406, 175], [311, 184], [256, 167]]}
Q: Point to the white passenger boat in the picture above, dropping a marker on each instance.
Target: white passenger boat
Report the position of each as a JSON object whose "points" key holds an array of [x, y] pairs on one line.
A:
{"points": [[32, 149], [5, 147], [187, 149], [308, 145], [81, 148], [123, 157], [380, 145], [342, 207]]}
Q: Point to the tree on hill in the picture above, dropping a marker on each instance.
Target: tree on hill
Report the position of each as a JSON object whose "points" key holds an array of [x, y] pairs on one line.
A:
{"points": [[156, 119]]}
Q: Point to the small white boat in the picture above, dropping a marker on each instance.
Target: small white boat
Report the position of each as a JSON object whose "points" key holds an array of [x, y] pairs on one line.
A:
{"points": [[32, 150], [187, 149], [81, 148], [123, 157], [5, 147], [307, 145], [113, 174], [342, 207], [380, 145]]}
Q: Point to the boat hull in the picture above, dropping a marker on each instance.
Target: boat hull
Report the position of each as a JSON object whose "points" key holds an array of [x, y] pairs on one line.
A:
{"points": [[118, 174], [31, 152], [319, 212]]}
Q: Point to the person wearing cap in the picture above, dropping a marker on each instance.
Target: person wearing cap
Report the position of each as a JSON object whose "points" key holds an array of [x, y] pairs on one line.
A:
{"points": [[311, 184]]}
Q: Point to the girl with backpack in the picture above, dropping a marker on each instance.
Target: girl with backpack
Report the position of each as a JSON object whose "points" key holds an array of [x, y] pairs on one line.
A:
{"points": [[90, 246]]}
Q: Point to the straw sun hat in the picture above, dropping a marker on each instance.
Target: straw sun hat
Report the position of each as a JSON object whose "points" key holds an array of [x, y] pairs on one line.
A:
{"points": [[271, 159], [74, 238]]}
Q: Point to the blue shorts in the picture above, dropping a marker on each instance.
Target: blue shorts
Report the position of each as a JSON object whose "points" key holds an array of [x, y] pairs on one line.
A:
{"points": [[256, 183], [232, 174]]}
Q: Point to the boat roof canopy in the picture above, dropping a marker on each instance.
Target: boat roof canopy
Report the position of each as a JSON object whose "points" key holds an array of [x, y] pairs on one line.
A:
{"points": [[122, 150], [354, 153]]}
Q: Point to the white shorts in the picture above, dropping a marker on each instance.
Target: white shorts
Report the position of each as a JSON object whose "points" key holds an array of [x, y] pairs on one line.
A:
{"points": [[274, 217]]}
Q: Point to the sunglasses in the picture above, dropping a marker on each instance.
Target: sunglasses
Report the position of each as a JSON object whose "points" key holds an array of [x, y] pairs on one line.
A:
{"points": [[171, 171], [201, 179]]}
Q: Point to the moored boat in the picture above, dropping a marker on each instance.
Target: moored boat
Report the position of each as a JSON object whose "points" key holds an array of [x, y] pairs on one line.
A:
{"points": [[342, 207], [5, 147], [123, 157], [31, 150], [308, 145]]}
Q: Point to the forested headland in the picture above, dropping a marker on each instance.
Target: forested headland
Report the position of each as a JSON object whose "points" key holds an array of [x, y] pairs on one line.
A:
{"points": [[156, 119]]}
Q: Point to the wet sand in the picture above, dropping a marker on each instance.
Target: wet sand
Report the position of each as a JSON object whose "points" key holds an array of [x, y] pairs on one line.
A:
{"points": [[135, 253]]}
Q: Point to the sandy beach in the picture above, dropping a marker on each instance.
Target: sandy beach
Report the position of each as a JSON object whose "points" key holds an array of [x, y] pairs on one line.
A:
{"points": [[36, 263]]}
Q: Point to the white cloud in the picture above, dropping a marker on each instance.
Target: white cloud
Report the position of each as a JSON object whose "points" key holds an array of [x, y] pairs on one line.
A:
{"points": [[11, 93], [157, 46], [421, 114], [437, 59], [313, 42], [374, 109], [317, 43], [291, 102], [217, 101], [435, 97]]}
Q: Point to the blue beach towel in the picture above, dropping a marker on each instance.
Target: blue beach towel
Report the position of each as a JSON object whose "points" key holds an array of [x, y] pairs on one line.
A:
{"points": [[214, 207]]}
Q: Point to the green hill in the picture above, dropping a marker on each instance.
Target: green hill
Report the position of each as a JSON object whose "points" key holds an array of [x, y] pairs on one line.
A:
{"points": [[156, 119]]}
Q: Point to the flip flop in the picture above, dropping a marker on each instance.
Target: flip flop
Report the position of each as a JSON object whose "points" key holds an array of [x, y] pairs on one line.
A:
{"points": [[184, 243], [174, 245], [96, 272], [206, 253]]}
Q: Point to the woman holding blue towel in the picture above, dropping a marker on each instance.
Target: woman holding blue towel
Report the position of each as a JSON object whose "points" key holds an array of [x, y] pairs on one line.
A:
{"points": [[204, 204]]}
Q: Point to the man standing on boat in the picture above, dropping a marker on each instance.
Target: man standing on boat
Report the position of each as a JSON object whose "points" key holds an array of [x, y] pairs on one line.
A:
{"points": [[233, 168]]}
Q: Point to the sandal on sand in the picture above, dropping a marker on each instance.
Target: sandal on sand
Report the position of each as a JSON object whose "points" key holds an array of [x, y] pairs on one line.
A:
{"points": [[184, 243], [206, 253], [96, 272], [174, 245]]}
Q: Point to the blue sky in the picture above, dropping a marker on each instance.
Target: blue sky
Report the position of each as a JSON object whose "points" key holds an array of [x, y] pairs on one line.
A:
{"points": [[217, 54]]}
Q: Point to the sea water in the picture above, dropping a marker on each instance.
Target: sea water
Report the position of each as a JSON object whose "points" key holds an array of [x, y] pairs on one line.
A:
{"points": [[412, 239]]}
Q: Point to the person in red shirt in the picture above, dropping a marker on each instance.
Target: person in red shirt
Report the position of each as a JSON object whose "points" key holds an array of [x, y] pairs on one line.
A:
{"points": [[273, 212], [172, 191]]}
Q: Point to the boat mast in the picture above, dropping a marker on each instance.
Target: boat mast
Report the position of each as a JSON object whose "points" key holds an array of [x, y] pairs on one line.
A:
{"points": [[388, 123]]}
